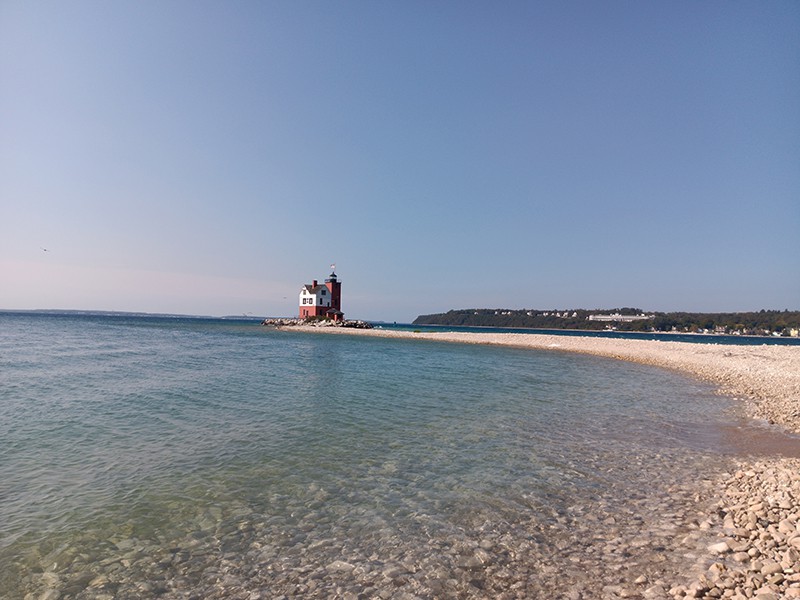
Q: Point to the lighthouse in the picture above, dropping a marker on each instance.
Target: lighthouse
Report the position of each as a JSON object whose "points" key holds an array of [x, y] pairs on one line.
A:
{"points": [[323, 301]]}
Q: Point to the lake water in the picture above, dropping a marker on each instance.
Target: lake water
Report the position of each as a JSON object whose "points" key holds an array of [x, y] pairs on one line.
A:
{"points": [[200, 458]]}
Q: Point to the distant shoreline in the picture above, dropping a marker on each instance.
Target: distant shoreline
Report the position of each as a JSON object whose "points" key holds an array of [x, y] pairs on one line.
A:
{"points": [[783, 323], [77, 312]]}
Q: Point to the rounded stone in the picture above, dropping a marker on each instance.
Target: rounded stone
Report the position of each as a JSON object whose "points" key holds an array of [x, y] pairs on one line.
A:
{"points": [[719, 548], [771, 567]]}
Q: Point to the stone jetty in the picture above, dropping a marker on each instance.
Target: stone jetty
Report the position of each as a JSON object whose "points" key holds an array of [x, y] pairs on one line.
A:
{"points": [[316, 323]]}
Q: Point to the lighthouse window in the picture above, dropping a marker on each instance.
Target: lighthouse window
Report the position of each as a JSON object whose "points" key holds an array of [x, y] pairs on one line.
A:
{"points": [[323, 292]]}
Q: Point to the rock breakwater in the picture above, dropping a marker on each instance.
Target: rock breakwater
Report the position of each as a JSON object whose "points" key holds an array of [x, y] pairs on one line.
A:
{"points": [[317, 323]]}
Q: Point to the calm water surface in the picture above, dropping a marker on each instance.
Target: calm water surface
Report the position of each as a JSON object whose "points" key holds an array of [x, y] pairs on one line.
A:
{"points": [[130, 444]]}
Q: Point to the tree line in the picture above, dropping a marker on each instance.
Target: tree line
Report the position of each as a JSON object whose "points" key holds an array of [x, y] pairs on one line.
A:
{"points": [[763, 322]]}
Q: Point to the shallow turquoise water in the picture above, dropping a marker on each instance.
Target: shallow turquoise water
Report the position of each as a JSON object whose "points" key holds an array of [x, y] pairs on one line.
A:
{"points": [[118, 432]]}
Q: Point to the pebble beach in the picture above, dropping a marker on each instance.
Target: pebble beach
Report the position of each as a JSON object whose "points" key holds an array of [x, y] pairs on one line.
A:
{"points": [[737, 533]]}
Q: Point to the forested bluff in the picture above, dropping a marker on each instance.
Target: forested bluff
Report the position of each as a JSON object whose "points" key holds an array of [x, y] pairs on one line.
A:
{"points": [[763, 322]]}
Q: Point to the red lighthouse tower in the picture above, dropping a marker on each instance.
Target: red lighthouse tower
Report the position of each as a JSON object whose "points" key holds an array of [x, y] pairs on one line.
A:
{"points": [[335, 288]]}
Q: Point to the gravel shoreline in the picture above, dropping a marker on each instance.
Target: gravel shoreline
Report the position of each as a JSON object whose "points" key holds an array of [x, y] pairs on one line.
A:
{"points": [[744, 541]]}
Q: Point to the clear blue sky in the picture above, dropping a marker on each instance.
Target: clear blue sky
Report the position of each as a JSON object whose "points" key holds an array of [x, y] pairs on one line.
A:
{"points": [[211, 157]]}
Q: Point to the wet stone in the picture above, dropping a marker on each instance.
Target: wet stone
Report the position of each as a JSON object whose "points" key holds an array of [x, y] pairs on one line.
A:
{"points": [[719, 548], [339, 566], [470, 562]]}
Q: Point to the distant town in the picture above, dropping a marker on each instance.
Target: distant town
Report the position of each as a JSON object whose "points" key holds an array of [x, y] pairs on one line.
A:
{"points": [[764, 322]]}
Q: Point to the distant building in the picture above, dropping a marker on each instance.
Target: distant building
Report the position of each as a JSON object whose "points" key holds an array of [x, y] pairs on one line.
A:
{"points": [[618, 318], [323, 301]]}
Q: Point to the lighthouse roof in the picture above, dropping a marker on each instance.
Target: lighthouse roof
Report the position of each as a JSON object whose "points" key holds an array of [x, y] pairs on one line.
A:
{"points": [[313, 289]]}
